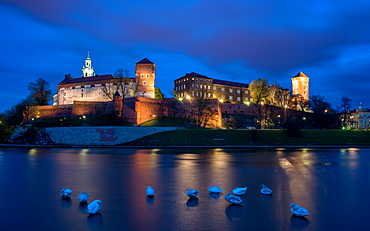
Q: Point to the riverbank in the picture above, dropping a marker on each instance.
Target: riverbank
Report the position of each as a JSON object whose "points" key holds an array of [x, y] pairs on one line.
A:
{"points": [[214, 138]]}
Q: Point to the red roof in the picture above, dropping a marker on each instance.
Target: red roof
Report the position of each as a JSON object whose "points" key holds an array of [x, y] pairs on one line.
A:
{"points": [[229, 83], [145, 61], [87, 79], [300, 74]]}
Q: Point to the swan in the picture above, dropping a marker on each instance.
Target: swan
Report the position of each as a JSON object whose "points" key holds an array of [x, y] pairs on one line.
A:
{"points": [[298, 210], [94, 207], [65, 193], [239, 191], [83, 197], [192, 193], [233, 199], [150, 191], [265, 190], [215, 189]]}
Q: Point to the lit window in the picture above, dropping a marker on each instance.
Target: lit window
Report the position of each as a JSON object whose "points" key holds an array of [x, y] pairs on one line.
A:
{"points": [[209, 87], [214, 88], [201, 86], [222, 89]]}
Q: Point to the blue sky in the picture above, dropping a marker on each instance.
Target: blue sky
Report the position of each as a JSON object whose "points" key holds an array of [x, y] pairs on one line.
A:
{"points": [[235, 40]]}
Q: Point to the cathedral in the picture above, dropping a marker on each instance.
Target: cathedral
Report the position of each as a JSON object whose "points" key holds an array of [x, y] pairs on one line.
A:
{"points": [[101, 88]]}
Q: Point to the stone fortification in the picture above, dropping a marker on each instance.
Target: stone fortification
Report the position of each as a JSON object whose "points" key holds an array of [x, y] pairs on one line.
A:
{"points": [[109, 135]]}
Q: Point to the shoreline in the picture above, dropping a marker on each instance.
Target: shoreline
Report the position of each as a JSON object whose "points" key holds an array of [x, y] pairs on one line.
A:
{"points": [[185, 147]]}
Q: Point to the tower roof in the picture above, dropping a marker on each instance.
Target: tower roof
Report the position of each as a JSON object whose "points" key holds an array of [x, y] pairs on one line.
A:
{"points": [[145, 61], [300, 74]]}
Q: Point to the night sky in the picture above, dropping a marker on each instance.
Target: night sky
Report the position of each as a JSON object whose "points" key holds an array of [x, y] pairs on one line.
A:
{"points": [[225, 39]]}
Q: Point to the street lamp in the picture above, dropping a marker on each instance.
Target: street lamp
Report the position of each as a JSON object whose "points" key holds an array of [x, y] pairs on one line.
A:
{"points": [[304, 119], [278, 121]]}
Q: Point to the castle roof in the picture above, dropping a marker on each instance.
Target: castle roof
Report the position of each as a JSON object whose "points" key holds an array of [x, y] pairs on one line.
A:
{"points": [[68, 79], [145, 61], [230, 83], [300, 74], [196, 75]]}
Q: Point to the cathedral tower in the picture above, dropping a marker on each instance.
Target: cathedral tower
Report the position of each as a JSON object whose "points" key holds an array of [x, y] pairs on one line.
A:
{"points": [[87, 69], [300, 85], [145, 78]]}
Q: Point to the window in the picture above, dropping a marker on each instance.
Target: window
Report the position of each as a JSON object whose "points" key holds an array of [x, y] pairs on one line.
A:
{"points": [[209, 87], [144, 82], [214, 88], [82, 95], [238, 98], [147, 76], [201, 86], [222, 89], [205, 86], [231, 90], [246, 92], [238, 91], [142, 75], [230, 97], [192, 85]]}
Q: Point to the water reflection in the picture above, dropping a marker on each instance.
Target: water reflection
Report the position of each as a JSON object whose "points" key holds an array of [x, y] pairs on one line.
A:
{"points": [[234, 211], [96, 221], [299, 222], [192, 202], [65, 202]]}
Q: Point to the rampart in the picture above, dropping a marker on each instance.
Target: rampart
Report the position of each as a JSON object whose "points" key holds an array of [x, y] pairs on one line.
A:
{"points": [[109, 135]]}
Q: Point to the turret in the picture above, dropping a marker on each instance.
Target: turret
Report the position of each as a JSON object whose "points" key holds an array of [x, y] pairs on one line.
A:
{"points": [[87, 69], [145, 78]]}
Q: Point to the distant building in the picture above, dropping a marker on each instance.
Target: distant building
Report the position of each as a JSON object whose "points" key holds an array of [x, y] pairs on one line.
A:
{"points": [[194, 84], [357, 119]]}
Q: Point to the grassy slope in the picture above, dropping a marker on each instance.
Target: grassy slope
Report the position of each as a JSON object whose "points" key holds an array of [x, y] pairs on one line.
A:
{"points": [[205, 137]]}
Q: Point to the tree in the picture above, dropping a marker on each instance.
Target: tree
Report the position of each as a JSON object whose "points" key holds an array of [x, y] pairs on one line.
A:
{"points": [[278, 96], [158, 93], [203, 110], [324, 116], [345, 108], [259, 90], [122, 84], [15, 114], [40, 92]]}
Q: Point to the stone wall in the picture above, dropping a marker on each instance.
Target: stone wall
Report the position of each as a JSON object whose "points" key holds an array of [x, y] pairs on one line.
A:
{"points": [[109, 135]]}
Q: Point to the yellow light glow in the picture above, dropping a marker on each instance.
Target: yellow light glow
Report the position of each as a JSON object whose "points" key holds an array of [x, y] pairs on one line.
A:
{"points": [[188, 97]]}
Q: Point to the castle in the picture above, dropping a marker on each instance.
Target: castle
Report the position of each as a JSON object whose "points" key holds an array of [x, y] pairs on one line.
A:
{"points": [[132, 98], [101, 88]]}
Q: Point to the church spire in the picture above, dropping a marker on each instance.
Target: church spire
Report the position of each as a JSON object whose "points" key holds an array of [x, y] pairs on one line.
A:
{"points": [[87, 69]]}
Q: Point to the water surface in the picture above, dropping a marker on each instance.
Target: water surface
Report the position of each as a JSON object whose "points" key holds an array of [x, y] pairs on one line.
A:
{"points": [[333, 184]]}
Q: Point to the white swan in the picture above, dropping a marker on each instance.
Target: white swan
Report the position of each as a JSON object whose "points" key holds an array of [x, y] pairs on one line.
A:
{"points": [[83, 197], [192, 193], [94, 207], [265, 190], [65, 193], [239, 191], [233, 199], [215, 189], [298, 210], [150, 191]]}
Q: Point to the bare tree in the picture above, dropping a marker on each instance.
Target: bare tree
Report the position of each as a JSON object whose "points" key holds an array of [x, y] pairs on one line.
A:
{"points": [[122, 83], [40, 92], [203, 109]]}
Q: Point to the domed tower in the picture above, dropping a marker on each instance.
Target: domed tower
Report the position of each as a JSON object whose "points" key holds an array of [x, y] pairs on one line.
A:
{"points": [[87, 69], [300, 85], [145, 78]]}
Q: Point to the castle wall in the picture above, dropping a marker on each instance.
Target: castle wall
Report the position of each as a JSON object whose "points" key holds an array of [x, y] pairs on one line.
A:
{"points": [[108, 135]]}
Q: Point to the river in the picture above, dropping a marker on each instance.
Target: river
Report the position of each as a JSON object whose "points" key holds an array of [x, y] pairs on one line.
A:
{"points": [[332, 184]]}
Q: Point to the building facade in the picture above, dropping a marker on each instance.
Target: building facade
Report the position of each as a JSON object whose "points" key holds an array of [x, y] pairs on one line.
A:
{"points": [[193, 85], [357, 119], [101, 88]]}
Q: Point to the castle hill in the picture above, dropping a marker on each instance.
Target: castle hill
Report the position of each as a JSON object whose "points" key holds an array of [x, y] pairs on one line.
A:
{"points": [[128, 109]]}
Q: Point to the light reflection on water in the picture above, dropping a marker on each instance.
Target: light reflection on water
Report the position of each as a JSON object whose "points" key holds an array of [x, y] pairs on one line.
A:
{"points": [[316, 179]]}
